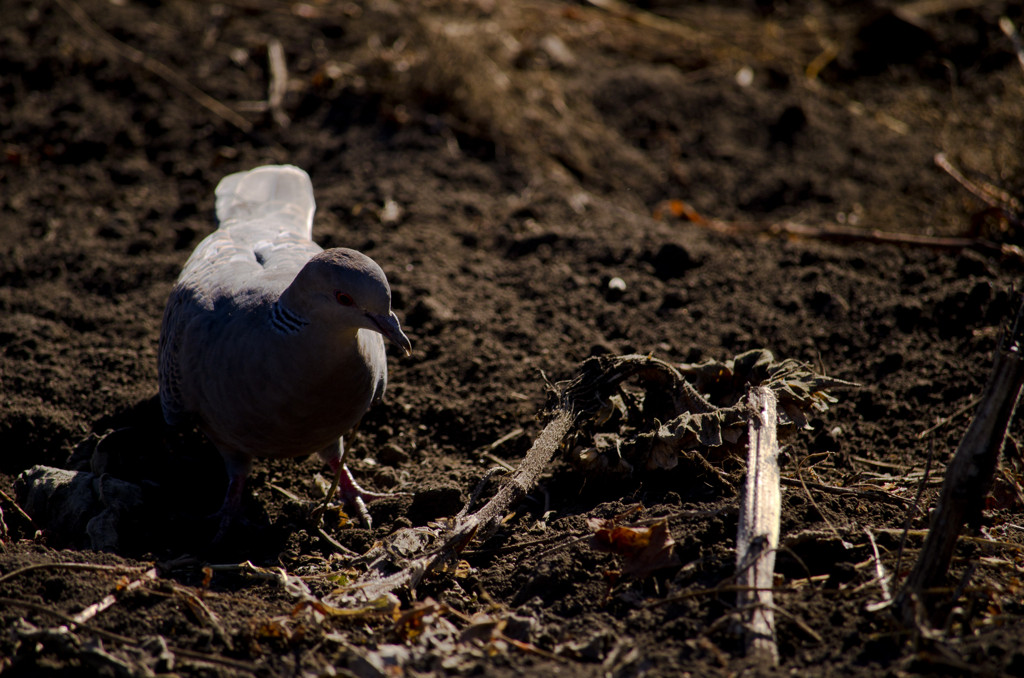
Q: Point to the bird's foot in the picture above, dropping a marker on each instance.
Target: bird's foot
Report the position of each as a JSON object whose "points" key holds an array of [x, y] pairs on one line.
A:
{"points": [[351, 494], [225, 519], [230, 512]]}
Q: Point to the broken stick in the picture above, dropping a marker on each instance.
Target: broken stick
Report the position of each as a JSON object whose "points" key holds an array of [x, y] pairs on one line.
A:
{"points": [[154, 66], [758, 533], [970, 474], [481, 523], [278, 82]]}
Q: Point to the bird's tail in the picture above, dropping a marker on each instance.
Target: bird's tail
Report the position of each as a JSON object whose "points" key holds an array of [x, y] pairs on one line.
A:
{"points": [[283, 192]]}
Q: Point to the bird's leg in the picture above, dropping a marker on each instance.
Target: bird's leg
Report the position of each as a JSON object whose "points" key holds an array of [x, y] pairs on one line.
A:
{"points": [[350, 492], [238, 468], [335, 480]]}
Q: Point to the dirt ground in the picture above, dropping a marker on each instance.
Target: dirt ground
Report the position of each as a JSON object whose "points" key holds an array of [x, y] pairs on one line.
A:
{"points": [[542, 182]]}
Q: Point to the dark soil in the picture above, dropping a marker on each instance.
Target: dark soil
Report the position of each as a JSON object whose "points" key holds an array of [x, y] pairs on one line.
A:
{"points": [[530, 149]]}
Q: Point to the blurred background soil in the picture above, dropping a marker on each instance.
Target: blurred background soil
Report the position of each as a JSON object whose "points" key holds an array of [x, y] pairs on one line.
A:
{"points": [[542, 181]]}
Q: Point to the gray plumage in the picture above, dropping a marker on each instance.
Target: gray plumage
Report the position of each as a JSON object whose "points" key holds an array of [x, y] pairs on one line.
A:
{"points": [[274, 344]]}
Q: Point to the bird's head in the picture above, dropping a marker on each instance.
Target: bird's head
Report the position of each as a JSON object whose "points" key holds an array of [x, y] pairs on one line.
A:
{"points": [[344, 288]]}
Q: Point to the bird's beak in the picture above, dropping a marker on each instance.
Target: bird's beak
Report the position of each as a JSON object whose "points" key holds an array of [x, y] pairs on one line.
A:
{"points": [[389, 326]]}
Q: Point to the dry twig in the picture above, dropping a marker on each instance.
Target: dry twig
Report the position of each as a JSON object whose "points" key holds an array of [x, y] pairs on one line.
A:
{"points": [[758, 531], [487, 452], [642, 17], [845, 234], [810, 497], [849, 234], [278, 82], [203, 611], [881, 576], [513, 487], [109, 600], [341, 548], [21, 511], [871, 495], [947, 419], [970, 473], [157, 68], [1010, 31], [984, 191], [119, 569], [125, 640]]}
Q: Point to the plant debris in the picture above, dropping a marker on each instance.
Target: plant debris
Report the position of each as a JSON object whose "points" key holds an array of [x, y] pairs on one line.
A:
{"points": [[644, 549], [691, 413]]}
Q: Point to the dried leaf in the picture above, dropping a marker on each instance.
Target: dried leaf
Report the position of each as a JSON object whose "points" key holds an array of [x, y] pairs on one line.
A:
{"points": [[605, 454], [664, 454], [643, 549], [684, 410], [614, 407], [619, 539], [411, 623]]}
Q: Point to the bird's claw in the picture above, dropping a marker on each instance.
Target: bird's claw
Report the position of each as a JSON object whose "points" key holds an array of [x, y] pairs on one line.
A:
{"points": [[350, 494]]}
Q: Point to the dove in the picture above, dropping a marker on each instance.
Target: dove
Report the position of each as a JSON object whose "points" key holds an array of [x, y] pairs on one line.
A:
{"points": [[272, 345]]}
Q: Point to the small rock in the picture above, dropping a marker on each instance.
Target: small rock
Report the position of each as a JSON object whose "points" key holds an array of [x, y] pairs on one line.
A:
{"points": [[391, 213], [615, 288], [745, 76]]}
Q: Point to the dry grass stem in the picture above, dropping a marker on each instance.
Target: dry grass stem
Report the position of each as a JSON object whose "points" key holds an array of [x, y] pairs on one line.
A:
{"points": [[758, 531]]}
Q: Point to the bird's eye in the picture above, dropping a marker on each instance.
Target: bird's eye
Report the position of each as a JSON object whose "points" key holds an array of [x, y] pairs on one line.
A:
{"points": [[344, 299]]}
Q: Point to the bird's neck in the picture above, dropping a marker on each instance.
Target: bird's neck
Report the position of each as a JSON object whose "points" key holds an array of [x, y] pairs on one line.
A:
{"points": [[284, 320]]}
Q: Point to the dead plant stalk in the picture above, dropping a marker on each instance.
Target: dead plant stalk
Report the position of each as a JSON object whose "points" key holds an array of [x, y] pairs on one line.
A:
{"points": [[970, 473], [758, 533]]}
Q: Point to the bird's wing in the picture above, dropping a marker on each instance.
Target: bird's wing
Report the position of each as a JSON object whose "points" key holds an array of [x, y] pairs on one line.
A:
{"points": [[266, 224], [266, 220]]}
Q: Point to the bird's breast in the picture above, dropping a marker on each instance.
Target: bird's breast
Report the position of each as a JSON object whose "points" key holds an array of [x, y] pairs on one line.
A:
{"points": [[291, 396]]}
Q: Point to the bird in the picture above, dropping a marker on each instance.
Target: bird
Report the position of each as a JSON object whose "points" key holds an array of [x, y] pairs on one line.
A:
{"points": [[271, 345]]}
